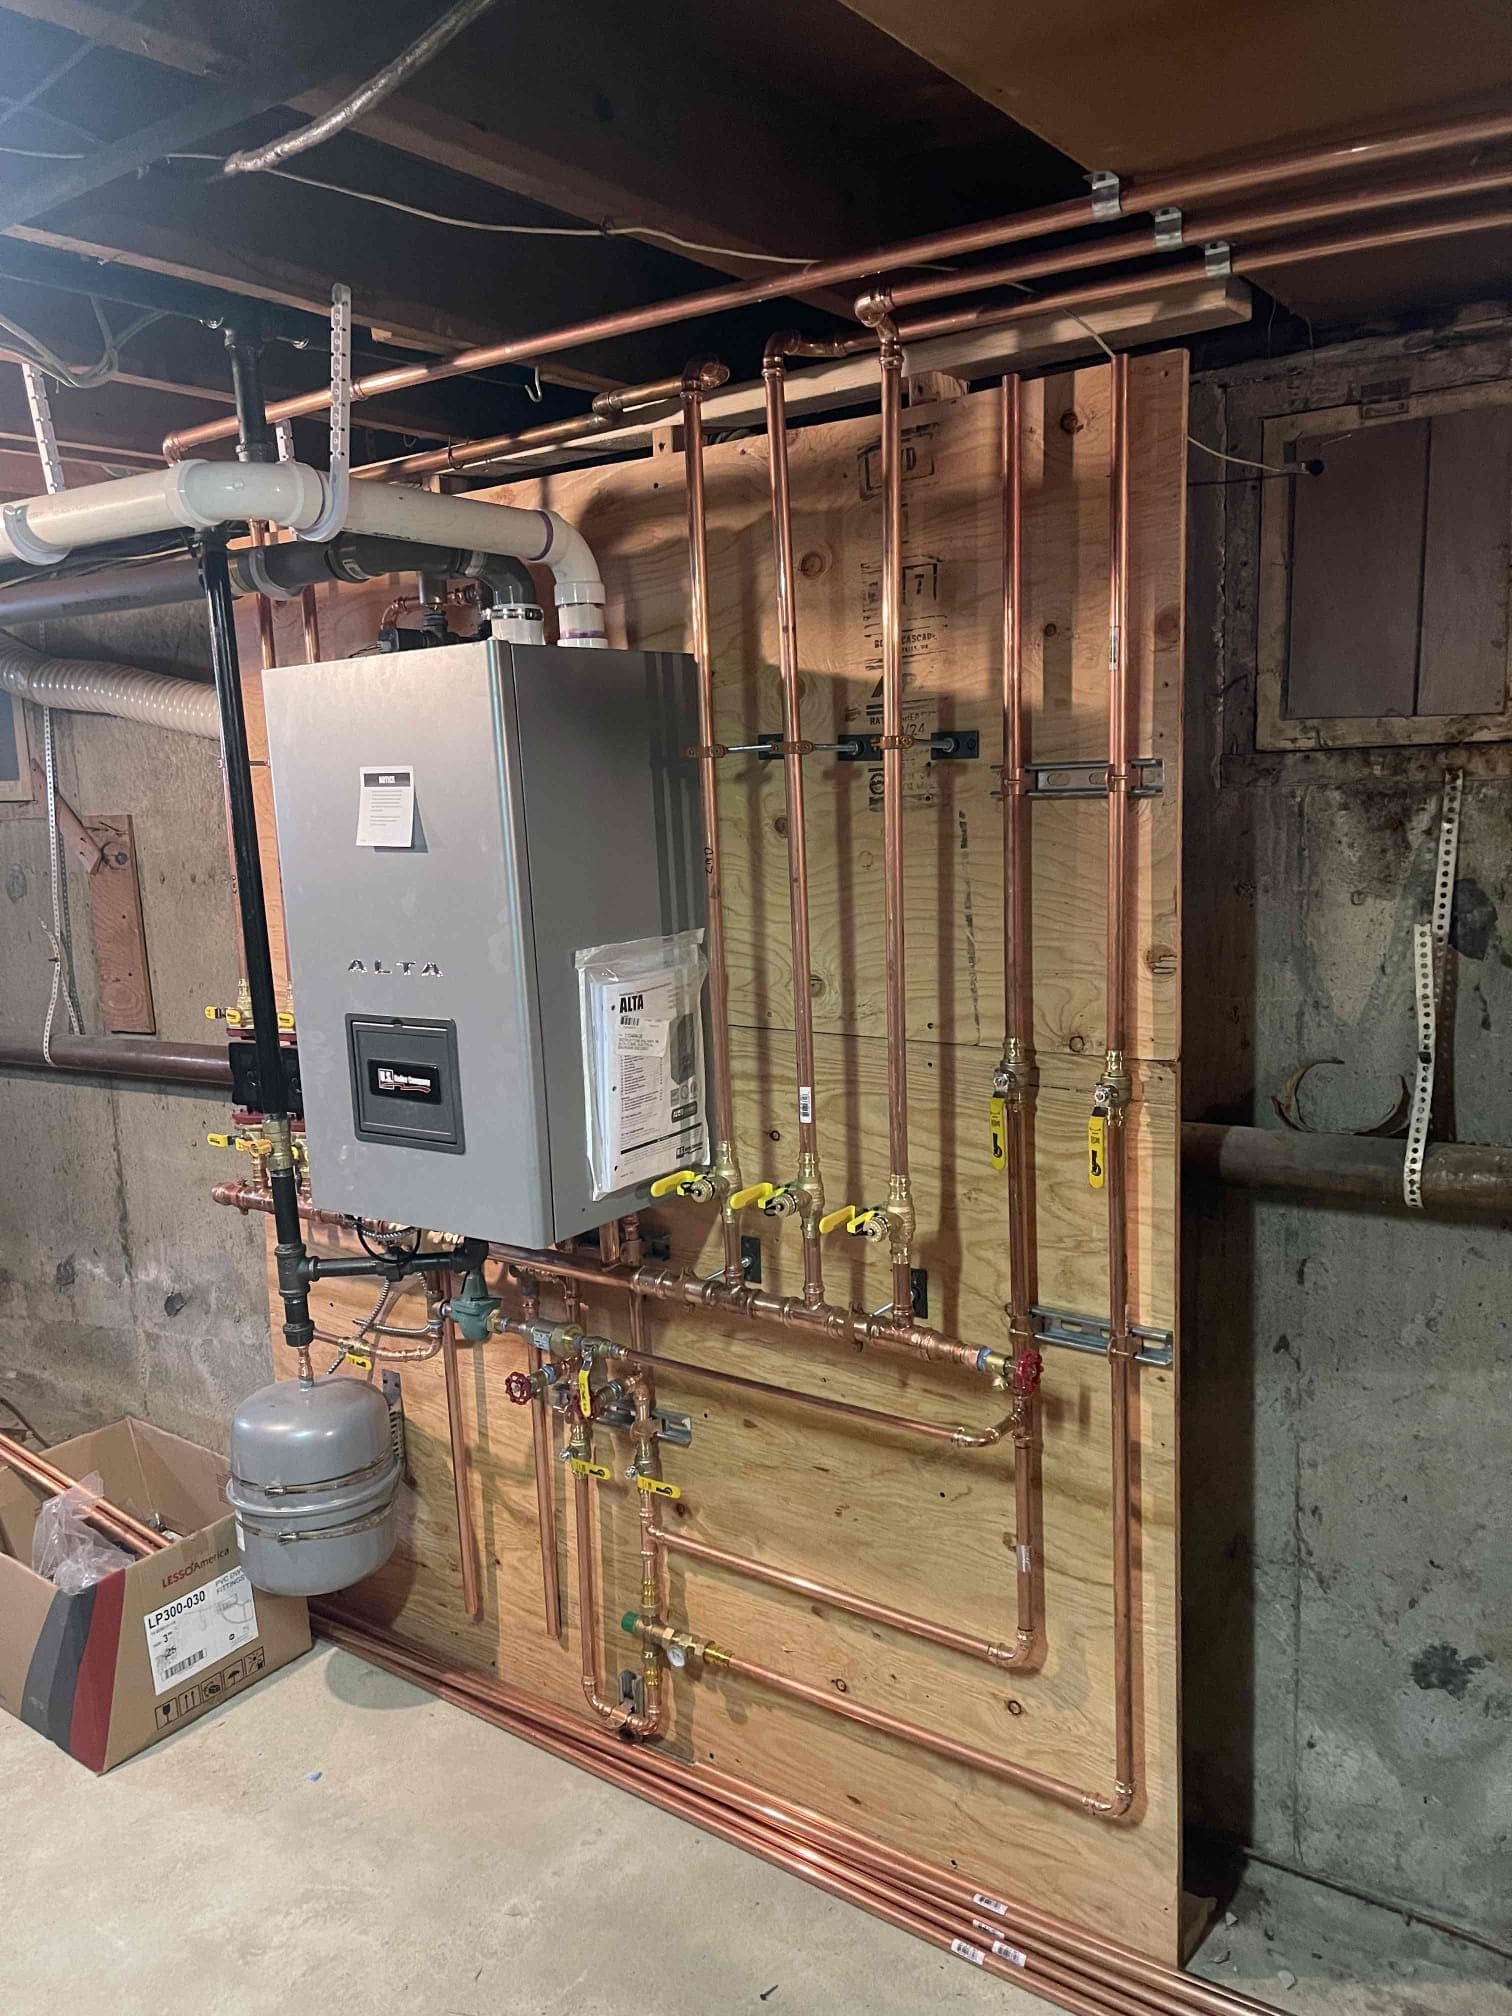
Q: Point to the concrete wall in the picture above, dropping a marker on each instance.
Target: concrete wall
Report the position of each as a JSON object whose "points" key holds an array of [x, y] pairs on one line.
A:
{"points": [[122, 1288], [1347, 1526]]}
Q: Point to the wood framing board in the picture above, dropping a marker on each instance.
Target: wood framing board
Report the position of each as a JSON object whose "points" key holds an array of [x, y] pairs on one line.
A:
{"points": [[911, 1522]]}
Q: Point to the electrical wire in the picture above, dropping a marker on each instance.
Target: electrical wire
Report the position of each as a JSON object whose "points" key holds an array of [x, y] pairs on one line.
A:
{"points": [[608, 229], [1246, 462], [29, 348]]}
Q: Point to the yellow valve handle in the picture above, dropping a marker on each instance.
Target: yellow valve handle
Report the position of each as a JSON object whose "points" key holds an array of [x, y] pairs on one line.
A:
{"points": [[658, 1487], [235, 1018], [754, 1193], [834, 1219], [581, 1467], [668, 1186], [358, 1358], [223, 1140], [585, 1391], [253, 1146], [997, 1120], [1097, 1151], [285, 1019], [214, 1014]]}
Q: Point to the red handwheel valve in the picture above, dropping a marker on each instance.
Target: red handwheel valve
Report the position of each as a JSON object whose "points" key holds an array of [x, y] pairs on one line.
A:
{"points": [[517, 1387], [1028, 1370]]}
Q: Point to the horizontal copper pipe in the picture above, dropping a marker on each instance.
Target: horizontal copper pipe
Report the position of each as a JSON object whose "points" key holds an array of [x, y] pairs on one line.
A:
{"points": [[971, 1755], [680, 1285], [109, 1519], [1179, 190], [608, 410], [973, 1647], [873, 1417], [1230, 226], [1128, 1979]]}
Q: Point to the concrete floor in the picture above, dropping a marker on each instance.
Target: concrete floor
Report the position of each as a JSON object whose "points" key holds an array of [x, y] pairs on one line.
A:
{"points": [[337, 1841]]}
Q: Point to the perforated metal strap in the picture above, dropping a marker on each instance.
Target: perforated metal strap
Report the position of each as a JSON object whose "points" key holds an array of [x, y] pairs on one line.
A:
{"points": [[1430, 949]]}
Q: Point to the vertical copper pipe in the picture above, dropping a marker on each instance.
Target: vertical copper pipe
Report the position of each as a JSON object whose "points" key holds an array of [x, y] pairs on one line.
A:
{"points": [[311, 616], [900, 1206], [1114, 1093], [467, 1539], [809, 1188], [1016, 1075], [725, 1168]]}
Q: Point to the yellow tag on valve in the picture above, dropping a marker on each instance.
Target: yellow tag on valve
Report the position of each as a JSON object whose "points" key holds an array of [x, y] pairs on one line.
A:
{"points": [[997, 1119], [658, 1487], [581, 1467], [1097, 1151], [585, 1393]]}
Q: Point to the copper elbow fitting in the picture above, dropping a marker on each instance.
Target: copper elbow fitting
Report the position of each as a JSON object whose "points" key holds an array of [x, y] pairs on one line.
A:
{"points": [[873, 307]]}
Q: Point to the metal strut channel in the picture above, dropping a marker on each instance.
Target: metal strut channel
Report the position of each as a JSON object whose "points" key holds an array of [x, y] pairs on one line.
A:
{"points": [[1091, 1333], [1430, 950], [1090, 780]]}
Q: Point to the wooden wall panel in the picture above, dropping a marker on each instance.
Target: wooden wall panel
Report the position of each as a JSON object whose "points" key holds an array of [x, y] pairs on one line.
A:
{"points": [[919, 1524]]}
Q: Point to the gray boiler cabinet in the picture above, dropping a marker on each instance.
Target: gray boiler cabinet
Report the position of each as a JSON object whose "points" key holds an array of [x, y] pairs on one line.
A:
{"points": [[555, 808]]}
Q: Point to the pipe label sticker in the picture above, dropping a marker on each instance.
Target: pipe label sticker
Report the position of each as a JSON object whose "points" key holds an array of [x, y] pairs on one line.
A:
{"points": [[964, 1950], [385, 806], [199, 1627], [805, 1105], [984, 1903]]}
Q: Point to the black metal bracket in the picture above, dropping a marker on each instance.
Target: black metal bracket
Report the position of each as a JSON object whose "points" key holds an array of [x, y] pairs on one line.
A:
{"points": [[750, 1258], [945, 745], [246, 1085], [919, 1284]]}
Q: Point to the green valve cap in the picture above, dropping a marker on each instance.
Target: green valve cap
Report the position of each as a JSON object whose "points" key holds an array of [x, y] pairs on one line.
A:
{"points": [[628, 1622]]}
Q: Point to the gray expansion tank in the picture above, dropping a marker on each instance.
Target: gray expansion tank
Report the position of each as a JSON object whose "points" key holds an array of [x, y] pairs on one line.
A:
{"points": [[314, 1478]]}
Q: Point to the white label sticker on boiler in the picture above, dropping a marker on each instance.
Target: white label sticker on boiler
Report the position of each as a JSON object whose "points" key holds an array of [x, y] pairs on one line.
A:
{"points": [[199, 1627], [385, 806]]}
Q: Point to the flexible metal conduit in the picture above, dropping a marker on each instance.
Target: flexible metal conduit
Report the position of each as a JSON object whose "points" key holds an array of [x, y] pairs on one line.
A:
{"points": [[1170, 191]]}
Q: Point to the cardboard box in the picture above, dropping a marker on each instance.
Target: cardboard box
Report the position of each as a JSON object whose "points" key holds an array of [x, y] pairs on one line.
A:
{"points": [[109, 1670]]}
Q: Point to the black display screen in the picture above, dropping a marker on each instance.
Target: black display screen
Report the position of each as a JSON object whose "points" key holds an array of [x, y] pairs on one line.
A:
{"points": [[416, 1082]]}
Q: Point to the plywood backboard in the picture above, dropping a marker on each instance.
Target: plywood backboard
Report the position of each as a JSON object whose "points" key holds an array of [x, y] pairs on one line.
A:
{"points": [[920, 1525]]}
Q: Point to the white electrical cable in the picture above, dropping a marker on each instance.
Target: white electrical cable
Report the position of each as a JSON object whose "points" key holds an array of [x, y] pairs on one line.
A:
{"points": [[608, 229]]}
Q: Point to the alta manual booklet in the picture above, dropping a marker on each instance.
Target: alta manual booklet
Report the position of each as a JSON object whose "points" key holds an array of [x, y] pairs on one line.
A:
{"points": [[643, 1059]]}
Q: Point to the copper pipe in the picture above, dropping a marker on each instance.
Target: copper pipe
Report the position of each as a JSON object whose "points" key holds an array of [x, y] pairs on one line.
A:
{"points": [[619, 1715], [267, 648], [1017, 1077], [754, 1305], [945, 1926], [1115, 1091], [725, 1163], [1180, 190], [972, 1756], [906, 1424], [310, 616], [607, 410], [683, 1287], [1227, 226], [108, 1519], [808, 1189], [148, 1057], [467, 1539], [1102, 1959], [681, 1542], [900, 1205]]}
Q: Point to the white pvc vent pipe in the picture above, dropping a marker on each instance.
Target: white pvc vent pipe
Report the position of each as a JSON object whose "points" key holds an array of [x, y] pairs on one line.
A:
{"points": [[83, 686], [198, 495]]}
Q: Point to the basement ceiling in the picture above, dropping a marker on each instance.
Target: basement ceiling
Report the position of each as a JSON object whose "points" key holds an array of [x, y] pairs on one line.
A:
{"points": [[671, 153], [1139, 87]]}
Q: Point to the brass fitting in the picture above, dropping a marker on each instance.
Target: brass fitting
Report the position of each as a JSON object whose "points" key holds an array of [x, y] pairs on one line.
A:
{"points": [[1016, 1078], [279, 1138], [678, 1648], [1115, 1088], [901, 1219]]}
